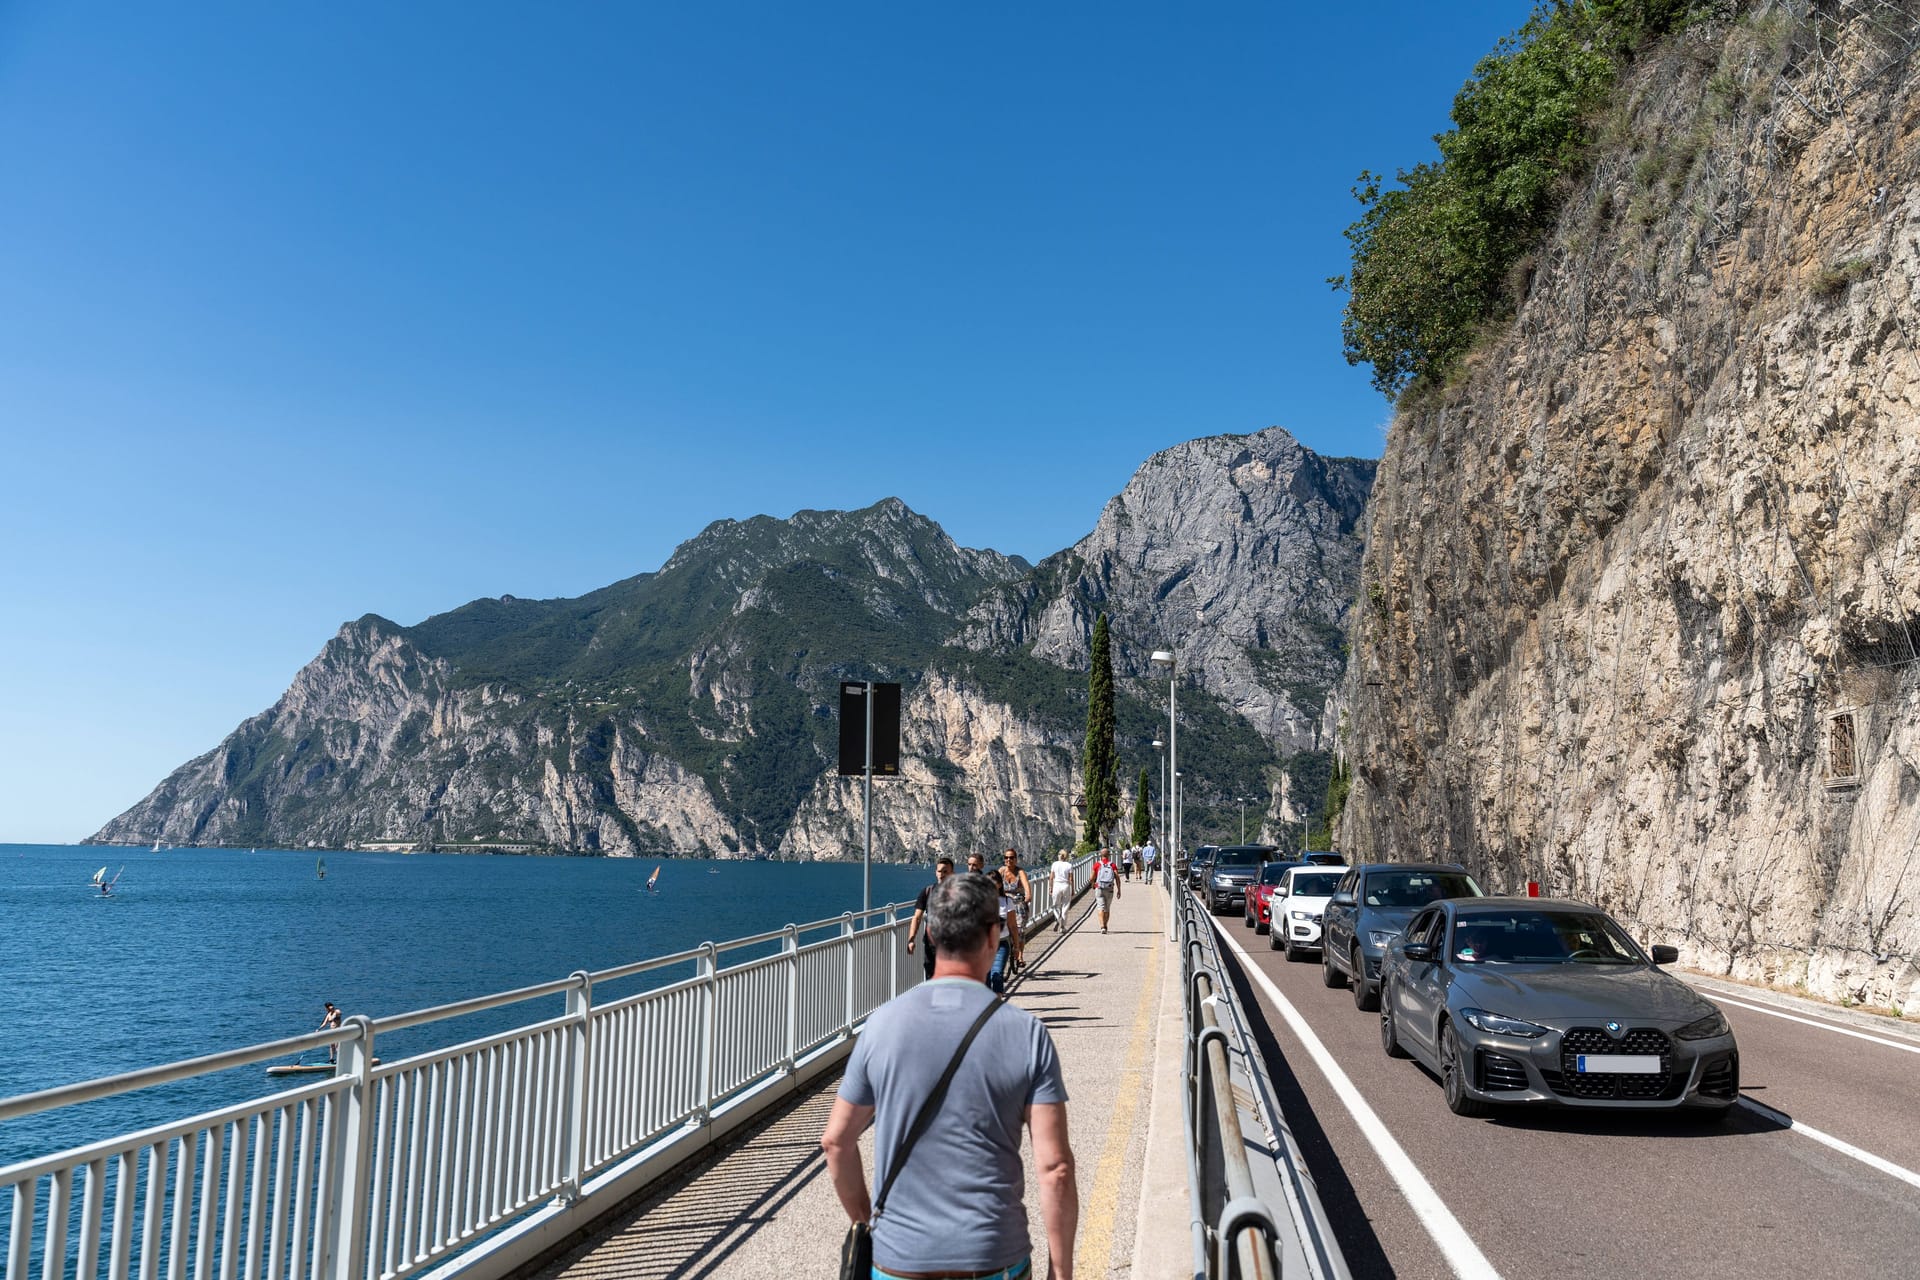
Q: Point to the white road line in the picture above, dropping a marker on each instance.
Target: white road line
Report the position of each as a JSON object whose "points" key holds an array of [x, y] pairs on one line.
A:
{"points": [[1867, 1158], [1462, 1254], [1811, 1022]]}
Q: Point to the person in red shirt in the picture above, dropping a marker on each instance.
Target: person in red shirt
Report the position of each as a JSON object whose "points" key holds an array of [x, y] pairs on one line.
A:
{"points": [[1106, 884]]}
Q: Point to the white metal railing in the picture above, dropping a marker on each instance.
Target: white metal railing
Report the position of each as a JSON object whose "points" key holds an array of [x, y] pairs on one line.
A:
{"points": [[386, 1169]]}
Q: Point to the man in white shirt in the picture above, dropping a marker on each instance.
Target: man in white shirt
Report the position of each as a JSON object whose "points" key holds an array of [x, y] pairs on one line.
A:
{"points": [[1148, 856], [1062, 870]]}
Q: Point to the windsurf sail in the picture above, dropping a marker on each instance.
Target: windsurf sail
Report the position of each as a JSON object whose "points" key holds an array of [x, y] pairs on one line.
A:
{"points": [[650, 879], [100, 876], [320, 867]]}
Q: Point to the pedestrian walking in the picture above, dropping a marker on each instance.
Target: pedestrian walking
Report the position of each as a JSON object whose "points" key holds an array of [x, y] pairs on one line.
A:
{"points": [[948, 1076], [1062, 874], [916, 929], [1015, 891], [1148, 856], [1106, 884], [1126, 863]]}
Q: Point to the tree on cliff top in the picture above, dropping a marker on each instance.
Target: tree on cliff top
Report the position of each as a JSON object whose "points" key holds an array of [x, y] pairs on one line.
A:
{"points": [[1432, 257], [1103, 795]]}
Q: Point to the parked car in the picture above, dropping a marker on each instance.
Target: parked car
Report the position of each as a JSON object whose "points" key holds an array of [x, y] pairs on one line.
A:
{"points": [[1234, 868], [1372, 904], [1530, 1000], [1297, 905], [1200, 865]]}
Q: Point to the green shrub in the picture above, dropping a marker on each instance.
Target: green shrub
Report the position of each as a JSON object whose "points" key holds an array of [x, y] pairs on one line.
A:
{"points": [[1432, 256]]}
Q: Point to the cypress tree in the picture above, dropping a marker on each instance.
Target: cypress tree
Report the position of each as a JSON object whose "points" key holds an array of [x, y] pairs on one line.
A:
{"points": [[1103, 795], [1142, 816]]}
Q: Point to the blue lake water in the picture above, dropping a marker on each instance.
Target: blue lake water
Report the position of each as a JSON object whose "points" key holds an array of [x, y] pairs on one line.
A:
{"points": [[199, 950]]}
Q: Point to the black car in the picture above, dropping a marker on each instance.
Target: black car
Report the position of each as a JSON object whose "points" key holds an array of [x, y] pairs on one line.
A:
{"points": [[1535, 1000], [1200, 865], [1234, 868]]}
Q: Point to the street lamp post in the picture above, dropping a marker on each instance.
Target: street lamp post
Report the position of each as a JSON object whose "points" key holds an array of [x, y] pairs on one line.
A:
{"points": [[1243, 818], [1164, 658], [1160, 753]]}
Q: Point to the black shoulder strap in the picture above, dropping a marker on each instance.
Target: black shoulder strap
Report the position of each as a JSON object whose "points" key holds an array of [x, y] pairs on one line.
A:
{"points": [[932, 1104]]}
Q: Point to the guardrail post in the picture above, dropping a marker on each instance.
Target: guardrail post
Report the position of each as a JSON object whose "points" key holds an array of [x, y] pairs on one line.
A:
{"points": [[792, 947], [893, 954], [846, 944], [708, 967], [342, 1222], [573, 1140]]}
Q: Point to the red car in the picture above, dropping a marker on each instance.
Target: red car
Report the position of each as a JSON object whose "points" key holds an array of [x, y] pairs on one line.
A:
{"points": [[1259, 917]]}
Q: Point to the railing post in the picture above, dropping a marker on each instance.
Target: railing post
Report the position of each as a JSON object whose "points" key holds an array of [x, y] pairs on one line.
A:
{"points": [[792, 947], [708, 967], [573, 1142], [846, 944], [894, 953], [342, 1218]]}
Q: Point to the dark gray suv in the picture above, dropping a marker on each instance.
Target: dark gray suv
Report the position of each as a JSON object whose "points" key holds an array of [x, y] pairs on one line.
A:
{"points": [[1372, 904], [1234, 868]]}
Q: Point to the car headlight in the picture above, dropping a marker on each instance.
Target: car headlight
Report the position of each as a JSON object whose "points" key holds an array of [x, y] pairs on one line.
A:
{"points": [[1382, 937], [1714, 1024], [1496, 1024], [1301, 915]]}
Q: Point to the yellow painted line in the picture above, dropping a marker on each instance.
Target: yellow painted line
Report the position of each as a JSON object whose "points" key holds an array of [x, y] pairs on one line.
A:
{"points": [[1095, 1245]]}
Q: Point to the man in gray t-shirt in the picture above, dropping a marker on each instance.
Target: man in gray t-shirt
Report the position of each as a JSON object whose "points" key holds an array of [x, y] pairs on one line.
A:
{"points": [[957, 1205]]}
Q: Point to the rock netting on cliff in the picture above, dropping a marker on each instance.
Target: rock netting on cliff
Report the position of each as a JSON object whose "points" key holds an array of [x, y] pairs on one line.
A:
{"points": [[1638, 611]]}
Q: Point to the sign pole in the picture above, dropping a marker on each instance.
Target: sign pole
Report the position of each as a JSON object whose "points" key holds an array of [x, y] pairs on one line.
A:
{"points": [[866, 862]]}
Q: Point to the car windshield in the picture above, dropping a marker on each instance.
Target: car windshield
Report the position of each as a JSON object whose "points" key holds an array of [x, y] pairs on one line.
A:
{"points": [[1417, 888], [1237, 858], [1542, 937], [1315, 884], [1274, 872]]}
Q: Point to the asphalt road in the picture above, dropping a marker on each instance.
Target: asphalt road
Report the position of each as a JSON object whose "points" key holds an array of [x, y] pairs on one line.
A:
{"points": [[1555, 1192]]}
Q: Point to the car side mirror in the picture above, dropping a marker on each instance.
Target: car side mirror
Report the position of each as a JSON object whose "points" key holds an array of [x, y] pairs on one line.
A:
{"points": [[1664, 954], [1340, 900], [1418, 951]]}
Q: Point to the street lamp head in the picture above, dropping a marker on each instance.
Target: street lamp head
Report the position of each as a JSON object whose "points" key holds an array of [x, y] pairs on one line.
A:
{"points": [[1162, 657], [1159, 745]]}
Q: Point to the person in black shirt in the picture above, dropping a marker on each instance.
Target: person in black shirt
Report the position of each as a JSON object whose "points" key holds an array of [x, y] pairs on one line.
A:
{"points": [[917, 930]]}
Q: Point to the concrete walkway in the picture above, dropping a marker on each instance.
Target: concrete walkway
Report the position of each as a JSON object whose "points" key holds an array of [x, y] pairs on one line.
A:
{"points": [[762, 1206]]}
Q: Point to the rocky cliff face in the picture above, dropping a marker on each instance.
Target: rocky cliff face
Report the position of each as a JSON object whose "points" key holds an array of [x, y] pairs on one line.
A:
{"points": [[1638, 609], [1237, 552], [695, 709]]}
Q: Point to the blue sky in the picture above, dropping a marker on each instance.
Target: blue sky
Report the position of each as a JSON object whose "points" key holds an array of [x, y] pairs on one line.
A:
{"points": [[313, 311]]}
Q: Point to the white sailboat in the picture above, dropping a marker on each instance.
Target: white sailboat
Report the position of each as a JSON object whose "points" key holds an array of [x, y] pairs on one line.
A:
{"points": [[156, 847]]}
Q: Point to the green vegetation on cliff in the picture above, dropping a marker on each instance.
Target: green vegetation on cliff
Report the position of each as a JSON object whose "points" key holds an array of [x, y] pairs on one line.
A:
{"points": [[1442, 252]]}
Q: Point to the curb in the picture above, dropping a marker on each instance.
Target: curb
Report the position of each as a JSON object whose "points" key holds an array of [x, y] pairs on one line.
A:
{"points": [[1801, 1004]]}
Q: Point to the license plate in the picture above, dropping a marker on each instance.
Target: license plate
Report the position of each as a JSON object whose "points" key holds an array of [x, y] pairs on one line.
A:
{"points": [[1623, 1064]]}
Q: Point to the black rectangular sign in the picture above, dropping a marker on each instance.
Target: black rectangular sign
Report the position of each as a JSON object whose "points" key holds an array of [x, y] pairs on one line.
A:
{"points": [[853, 729]]}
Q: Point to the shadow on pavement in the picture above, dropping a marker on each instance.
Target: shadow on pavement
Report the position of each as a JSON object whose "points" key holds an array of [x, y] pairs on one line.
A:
{"points": [[1366, 1259]]}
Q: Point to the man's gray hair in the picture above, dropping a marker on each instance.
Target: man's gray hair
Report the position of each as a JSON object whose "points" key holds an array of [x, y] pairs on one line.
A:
{"points": [[961, 911]]}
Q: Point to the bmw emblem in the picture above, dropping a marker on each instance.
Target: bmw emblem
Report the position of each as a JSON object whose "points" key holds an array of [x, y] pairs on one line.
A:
{"points": [[1615, 1030]]}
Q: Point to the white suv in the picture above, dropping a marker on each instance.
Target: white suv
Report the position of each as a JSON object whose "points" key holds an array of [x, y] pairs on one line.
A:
{"points": [[1296, 905]]}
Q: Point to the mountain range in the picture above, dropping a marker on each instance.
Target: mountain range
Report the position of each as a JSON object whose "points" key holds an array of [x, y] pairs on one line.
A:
{"points": [[693, 709]]}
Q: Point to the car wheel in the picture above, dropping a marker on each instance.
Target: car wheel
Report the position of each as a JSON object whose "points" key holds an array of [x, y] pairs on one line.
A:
{"points": [[1452, 1079], [1292, 954], [1330, 975], [1389, 1035], [1365, 998], [1274, 943]]}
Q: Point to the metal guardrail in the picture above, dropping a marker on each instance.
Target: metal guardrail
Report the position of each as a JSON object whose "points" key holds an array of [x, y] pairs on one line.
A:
{"points": [[384, 1170], [1255, 1211]]}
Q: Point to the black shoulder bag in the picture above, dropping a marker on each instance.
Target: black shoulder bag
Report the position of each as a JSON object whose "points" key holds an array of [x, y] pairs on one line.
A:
{"points": [[856, 1253]]}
